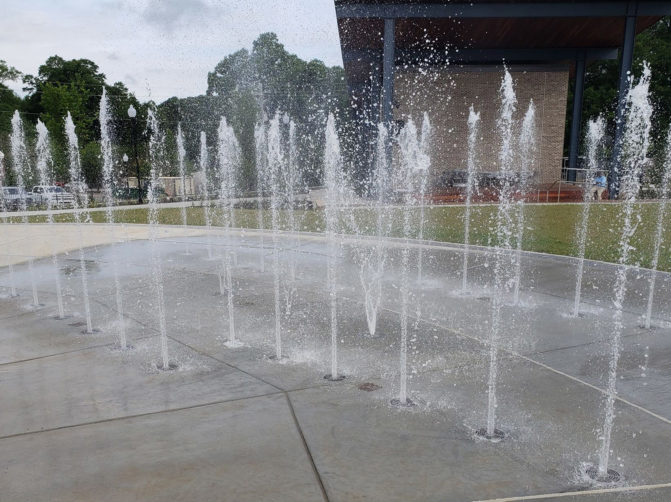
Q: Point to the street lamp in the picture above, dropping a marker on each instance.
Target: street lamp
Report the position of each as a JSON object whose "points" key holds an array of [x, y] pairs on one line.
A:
{"points": [[125, 167], [2, 180], [132, 114]]}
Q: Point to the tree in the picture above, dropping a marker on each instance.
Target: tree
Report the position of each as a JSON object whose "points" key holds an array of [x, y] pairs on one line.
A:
{"points": [[602, 78], [271, 80], [8, 73]]}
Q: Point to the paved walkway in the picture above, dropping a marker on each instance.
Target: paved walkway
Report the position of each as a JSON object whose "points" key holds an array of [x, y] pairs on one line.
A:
{"points": [[83, 420]]}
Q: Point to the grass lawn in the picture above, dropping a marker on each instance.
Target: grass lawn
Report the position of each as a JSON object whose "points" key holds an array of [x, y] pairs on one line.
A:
{"points": [[549, 228]]}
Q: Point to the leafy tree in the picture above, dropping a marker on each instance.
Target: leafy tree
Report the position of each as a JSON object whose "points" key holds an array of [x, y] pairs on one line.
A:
{"points": [[602, 78], [9, 101]]}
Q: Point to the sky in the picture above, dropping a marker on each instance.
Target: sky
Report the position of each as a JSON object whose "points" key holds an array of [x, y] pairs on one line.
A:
{"points": [[160, 48]]}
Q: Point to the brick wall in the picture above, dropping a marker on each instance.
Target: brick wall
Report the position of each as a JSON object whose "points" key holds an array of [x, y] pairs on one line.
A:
{"points": [[447, 94]]}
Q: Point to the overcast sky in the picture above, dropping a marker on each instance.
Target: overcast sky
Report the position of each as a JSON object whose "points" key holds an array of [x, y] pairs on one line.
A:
{"points": [[160, 48]]}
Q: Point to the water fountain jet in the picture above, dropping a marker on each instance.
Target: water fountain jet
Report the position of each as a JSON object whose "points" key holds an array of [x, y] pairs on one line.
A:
{"points": [[334, 180], [76, 180], [228, 157], [181, 155], [20, 158], [471, 185], [635, 143], [505, 225], [155, 154], [108, 198], [664, 192], [596, 130], [44, 168]]}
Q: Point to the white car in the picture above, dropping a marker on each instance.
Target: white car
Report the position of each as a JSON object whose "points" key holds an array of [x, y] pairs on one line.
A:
{"points": [[10, 198], [52, 195]]}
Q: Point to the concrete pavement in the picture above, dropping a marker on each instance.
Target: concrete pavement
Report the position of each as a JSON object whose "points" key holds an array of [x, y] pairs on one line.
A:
{"points": [[83, 420]]}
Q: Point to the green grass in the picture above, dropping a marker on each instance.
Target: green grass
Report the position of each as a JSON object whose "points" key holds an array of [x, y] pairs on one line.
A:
{"points": [[549, 228]]}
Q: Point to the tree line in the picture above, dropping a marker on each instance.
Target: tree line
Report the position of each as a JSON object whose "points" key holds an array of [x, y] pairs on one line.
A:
{"points": [[244, 87]]}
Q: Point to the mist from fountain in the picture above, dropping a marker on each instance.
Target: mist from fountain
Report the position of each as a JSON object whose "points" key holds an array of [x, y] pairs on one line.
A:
{"points": [[22, 170], [273, 173], [261, 144], [596, 131], [664, 192], [228, 160], [291, 179], [526, 146], [504, 228], [5, 209], [372, 258], [44, 173], [634, 148], [79, 194], [181, 156], [107, 154], [409, 175], [423, 170], [207, 213], [334, 181], [155, 158], [471, 187], [422, 175]]}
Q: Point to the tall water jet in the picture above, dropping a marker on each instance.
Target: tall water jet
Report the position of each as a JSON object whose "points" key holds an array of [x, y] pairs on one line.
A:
{"points": [[596, 131], [228, 157], [20, 158], [206, 203], [334, 181], [291, 181], [664, 192], [635, 143], [76, 181], [155, 158], [423, 174], [44, 168], [505, 225], [4, 208], [274, 172], [181, 156], [471, 179], [105, 118], [261, 143], [527, 142], [412, 169], [372, 259]]}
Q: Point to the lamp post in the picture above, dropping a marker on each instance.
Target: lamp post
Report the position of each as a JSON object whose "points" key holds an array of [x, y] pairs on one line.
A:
{"points": [[125, 167], [2, 168], [2, 181], [132, 114]]}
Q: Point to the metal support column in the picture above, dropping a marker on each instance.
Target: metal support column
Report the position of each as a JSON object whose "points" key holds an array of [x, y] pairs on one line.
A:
{"points": [[388, 70], [625, 72], [576, 119]]}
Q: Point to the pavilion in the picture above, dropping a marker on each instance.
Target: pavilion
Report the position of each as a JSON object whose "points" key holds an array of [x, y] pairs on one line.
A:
{"points": [[402, 57]]}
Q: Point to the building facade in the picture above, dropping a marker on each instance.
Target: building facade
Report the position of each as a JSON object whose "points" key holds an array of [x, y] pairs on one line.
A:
{"points": [[405, 58]]}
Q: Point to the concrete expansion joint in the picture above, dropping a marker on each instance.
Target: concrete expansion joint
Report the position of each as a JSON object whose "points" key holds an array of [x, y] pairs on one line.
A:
{"points": [[528, 359], [588, 493], [140, 415], [286, 393]]}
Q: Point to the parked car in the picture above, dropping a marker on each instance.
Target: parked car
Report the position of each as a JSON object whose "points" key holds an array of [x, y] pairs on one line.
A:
{"points": [[45, 194], [10, 198]]}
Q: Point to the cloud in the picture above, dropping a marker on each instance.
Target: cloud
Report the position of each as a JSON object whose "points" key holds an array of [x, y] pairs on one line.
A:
{"points": [[167, 14], [130, 39]]}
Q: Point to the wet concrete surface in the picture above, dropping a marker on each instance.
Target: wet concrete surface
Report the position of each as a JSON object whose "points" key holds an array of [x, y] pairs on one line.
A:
{"points": [[83, 420]]}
